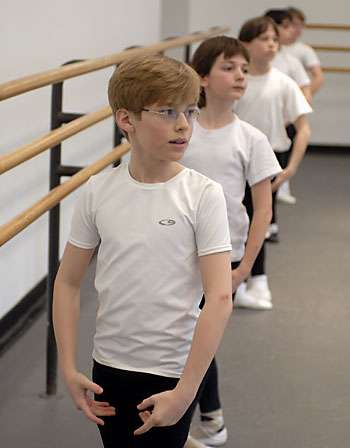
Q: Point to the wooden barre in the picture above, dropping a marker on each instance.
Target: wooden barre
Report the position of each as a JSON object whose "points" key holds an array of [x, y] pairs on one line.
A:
{"points": [[327, 26], [31, 82], [26, 152], [329, 48], [21, 221], [336, 69]]}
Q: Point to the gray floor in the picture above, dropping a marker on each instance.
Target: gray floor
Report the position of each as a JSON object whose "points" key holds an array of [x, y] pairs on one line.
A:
{"points": [[284, 373]]}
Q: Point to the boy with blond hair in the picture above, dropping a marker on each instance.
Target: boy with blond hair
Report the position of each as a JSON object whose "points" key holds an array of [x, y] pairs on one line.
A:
{"points": [[163, 240]]}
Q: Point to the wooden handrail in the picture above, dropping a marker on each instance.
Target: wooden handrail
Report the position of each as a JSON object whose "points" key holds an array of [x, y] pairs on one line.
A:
{"points": [[327, 26], [20, 222], [26, 152], [329, 48], [336, 69], [27, 83]]}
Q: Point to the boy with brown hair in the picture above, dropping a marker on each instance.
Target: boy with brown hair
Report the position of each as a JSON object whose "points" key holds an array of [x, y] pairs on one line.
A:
{"points": [[306, 54], [163, 239], [271, 102], [233, 153]]}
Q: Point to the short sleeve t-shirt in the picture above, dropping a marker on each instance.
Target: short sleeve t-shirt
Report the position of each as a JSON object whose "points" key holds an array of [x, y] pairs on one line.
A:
{"points": [[270, 103], [306, 54], [147, 275], [291, 66], [232, 155]]}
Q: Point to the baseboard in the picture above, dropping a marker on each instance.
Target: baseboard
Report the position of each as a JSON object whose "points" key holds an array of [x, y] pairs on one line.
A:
{"points": [[22, 316], [330, 149]]}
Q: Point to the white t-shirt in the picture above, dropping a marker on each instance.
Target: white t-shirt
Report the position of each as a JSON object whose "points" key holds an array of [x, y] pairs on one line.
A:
{"points": [[306, 54], [232, 155], [270, 103], [147, 275], [291, 66]]}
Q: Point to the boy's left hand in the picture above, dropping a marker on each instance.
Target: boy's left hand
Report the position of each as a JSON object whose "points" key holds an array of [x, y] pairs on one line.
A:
{"points": [[284, 175], [166, 409]]}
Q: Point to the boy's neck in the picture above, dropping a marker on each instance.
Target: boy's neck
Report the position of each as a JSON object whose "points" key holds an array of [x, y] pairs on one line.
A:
{"points": [[258, 68], [216, 114], [152, 171]]}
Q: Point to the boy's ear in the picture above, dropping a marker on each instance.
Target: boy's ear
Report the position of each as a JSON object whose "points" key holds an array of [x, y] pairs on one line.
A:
{"points": [[124, 121], [204, 81]]}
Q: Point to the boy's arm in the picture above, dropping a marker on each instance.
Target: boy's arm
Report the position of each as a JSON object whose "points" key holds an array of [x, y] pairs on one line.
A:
{"points": [[169, 407], [301, 141], [262, 213], [66, 308], [317, 78], [306, 90]]}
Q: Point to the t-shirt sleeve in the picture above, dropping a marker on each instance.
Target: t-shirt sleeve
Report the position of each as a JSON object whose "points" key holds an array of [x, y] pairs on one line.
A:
{"points": [[212, 229], [310, 57], [295, 103], [84, 233], [262, 163], [299, 73]]}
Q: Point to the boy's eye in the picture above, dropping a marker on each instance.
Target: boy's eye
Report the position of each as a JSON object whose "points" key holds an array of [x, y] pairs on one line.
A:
{"points": [[168, 113], [192, 112]]}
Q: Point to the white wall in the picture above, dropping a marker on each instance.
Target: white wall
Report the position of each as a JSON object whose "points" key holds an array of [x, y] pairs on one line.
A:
{"points": [[330, 122], [41, 36]]}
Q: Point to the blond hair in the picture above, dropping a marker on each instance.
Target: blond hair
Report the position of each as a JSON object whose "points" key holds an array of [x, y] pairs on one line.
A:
{"points": [[152, 79]]}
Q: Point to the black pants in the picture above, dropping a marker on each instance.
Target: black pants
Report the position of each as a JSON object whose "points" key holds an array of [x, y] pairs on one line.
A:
{"points": [[209, 399], [282, 158], [259, 263], [125, 390]]}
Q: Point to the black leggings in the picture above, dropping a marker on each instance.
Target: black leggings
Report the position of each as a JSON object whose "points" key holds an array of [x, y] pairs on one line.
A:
{"points": [[209, 399], [259, 264], [283, 158], [125, 390]]}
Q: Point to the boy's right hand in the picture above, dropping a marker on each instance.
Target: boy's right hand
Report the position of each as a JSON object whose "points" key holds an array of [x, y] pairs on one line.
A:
{"points": [[79, 388]]}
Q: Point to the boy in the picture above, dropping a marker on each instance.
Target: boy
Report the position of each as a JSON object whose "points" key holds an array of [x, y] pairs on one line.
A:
{"points": [[284, 60], [291, 66], [306, 54], [271, 102], [162, 228], [231, 152]]}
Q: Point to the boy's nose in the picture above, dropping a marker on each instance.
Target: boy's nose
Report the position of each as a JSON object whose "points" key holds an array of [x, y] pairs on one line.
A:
{"points": [[181, 121]]}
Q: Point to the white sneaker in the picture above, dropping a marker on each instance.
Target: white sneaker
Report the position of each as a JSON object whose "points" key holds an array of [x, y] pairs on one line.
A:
{"points": [[193, 443], [244, 299], [272, 234], [211, 429], [258, 287], [284, 194]]}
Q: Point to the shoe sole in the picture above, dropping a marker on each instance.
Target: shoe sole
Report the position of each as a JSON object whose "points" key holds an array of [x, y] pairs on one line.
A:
{"points": [[217, 439]]}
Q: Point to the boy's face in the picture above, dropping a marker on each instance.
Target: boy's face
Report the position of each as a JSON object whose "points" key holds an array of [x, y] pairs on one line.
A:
{"points": [[161, 132], [227, 78], [263, 48], [286, 32], [298, 27]]}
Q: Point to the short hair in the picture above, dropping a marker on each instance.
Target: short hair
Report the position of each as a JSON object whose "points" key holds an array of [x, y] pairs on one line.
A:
{"points": [[209, 50], [278, 15], [253, 28], [150, 79], [295, 12]]}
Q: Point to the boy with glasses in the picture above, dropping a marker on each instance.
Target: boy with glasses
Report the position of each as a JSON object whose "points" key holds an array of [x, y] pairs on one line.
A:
{"points": [[163, 239]]}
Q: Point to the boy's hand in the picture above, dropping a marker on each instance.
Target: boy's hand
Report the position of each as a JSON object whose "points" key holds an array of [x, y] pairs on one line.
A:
{"points": [[284, 175], [166, 409], [238, 276], [79, 387]]}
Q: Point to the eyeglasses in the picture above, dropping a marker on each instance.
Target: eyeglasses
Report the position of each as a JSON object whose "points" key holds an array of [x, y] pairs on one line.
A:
{"points": [[171, 114]]}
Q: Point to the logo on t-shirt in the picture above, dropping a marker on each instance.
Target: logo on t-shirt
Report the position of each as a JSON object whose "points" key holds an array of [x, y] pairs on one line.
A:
{"points": [[167, 222]]}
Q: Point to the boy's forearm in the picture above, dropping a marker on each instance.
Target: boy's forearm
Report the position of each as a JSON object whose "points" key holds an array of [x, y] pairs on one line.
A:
{"points": [[207, 336], [65, 317], [299, 147], [260, 222]]}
